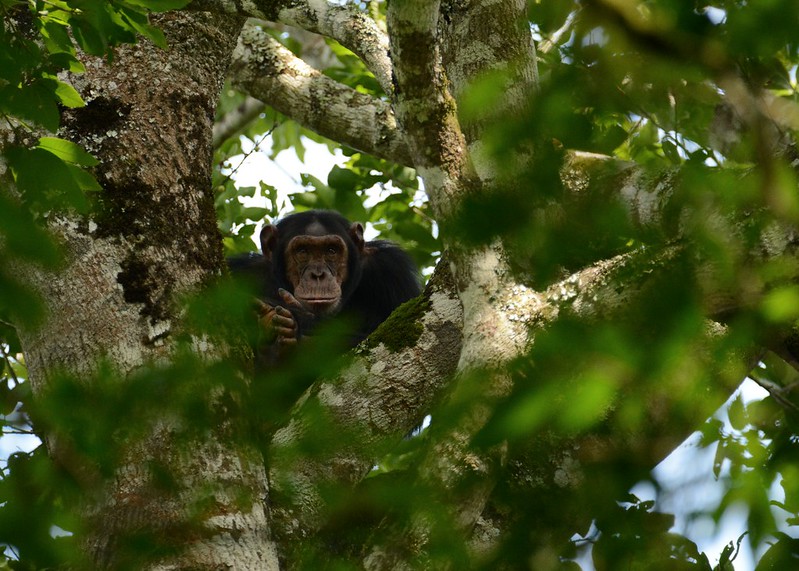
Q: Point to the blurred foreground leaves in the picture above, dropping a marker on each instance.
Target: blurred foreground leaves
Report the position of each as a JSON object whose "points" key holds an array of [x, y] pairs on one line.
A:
{"points": [[602, 400]]}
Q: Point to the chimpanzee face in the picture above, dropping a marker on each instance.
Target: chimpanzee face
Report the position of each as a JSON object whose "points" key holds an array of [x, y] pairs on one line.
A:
{"points": [[317, 267], [315, 262]]}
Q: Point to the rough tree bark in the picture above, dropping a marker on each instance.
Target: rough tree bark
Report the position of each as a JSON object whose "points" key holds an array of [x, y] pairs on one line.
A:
{"points": [[149, 121]]}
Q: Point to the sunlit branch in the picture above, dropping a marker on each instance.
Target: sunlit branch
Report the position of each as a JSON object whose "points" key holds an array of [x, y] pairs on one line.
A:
{"points": [[236, 120], [347, 25], [266, 70]]}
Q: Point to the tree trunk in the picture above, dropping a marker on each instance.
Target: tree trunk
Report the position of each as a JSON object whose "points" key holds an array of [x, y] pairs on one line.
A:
{"points": [[114, 307]]}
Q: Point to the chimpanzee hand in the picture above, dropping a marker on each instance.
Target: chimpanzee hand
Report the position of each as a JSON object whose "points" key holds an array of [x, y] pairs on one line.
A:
{"points": [[278, 322], [266, 320], [282, 323]]}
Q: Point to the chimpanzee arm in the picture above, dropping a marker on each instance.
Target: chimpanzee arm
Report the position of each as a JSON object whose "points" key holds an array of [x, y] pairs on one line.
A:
{"points": [[281, 318], [254, 271]]}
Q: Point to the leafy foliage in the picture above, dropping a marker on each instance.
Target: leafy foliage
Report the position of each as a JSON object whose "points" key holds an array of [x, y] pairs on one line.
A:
{"points": [[641, 81]]}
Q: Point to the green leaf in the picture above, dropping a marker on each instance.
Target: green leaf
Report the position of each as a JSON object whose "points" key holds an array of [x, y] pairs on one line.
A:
{"points": [[24, 237], [68, 96], [160, 5], [671, 152], [325, 196], [139, 22], [782, 304], [34, 102], [88, 38], [737, 413], [255, 213], [342, 179], [711, 431], [248, 191], [68, 151], [85, 180], [591, 398], [54, 32], [68, 62], [47, 181], [307, 200]]}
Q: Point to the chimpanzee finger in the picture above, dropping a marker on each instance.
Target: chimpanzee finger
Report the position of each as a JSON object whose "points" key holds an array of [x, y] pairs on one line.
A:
{"points": [[284, 324], [262, 308], [283, 311], [285, 335], [284, 328], [289, 299], [284, 317], [266, 315]]}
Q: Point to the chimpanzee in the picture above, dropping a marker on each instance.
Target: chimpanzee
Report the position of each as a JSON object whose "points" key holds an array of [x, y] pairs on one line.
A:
{"points": [[316, 264]]}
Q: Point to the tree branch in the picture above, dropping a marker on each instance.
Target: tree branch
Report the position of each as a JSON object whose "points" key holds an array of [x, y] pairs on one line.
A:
{"points": [[347, 25], [265, 69], [427, 112], [645, 196], [425, 109], [559, 463], [378, 398], [656, 209], [484, 37], [353, 29], [236, 120]]}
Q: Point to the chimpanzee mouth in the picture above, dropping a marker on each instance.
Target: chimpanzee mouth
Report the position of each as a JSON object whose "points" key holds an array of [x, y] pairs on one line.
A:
{"points": [[319, 300]]}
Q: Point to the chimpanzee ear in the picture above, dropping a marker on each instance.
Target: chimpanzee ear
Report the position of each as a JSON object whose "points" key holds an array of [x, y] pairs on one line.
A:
{"points": [[268, 240], [356, 233]]}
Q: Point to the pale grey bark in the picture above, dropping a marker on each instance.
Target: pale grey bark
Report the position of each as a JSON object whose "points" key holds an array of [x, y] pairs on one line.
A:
{"points": [[427, 111], [346, 24], [481, 40], [268, 71], [377, 399]]}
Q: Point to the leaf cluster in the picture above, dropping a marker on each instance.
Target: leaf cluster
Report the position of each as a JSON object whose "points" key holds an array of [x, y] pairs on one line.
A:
{"points": [[38, 40]]}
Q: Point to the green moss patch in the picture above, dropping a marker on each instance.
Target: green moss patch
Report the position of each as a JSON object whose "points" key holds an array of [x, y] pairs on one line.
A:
{"points": [[403, 327]]}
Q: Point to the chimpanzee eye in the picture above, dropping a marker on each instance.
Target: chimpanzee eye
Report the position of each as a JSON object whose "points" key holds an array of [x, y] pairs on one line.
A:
{"points": [[332, 250]]}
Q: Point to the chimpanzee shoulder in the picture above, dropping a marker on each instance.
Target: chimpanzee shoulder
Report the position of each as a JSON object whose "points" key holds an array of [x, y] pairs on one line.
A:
{"points": [[254, 271], [389, 278]]}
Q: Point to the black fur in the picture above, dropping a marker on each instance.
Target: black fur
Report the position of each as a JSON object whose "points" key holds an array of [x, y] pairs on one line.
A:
{"points": [[379, 279]]}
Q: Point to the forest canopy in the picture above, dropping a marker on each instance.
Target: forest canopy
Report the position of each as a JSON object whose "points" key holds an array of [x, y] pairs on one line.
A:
{"points": [[602, 196]]}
